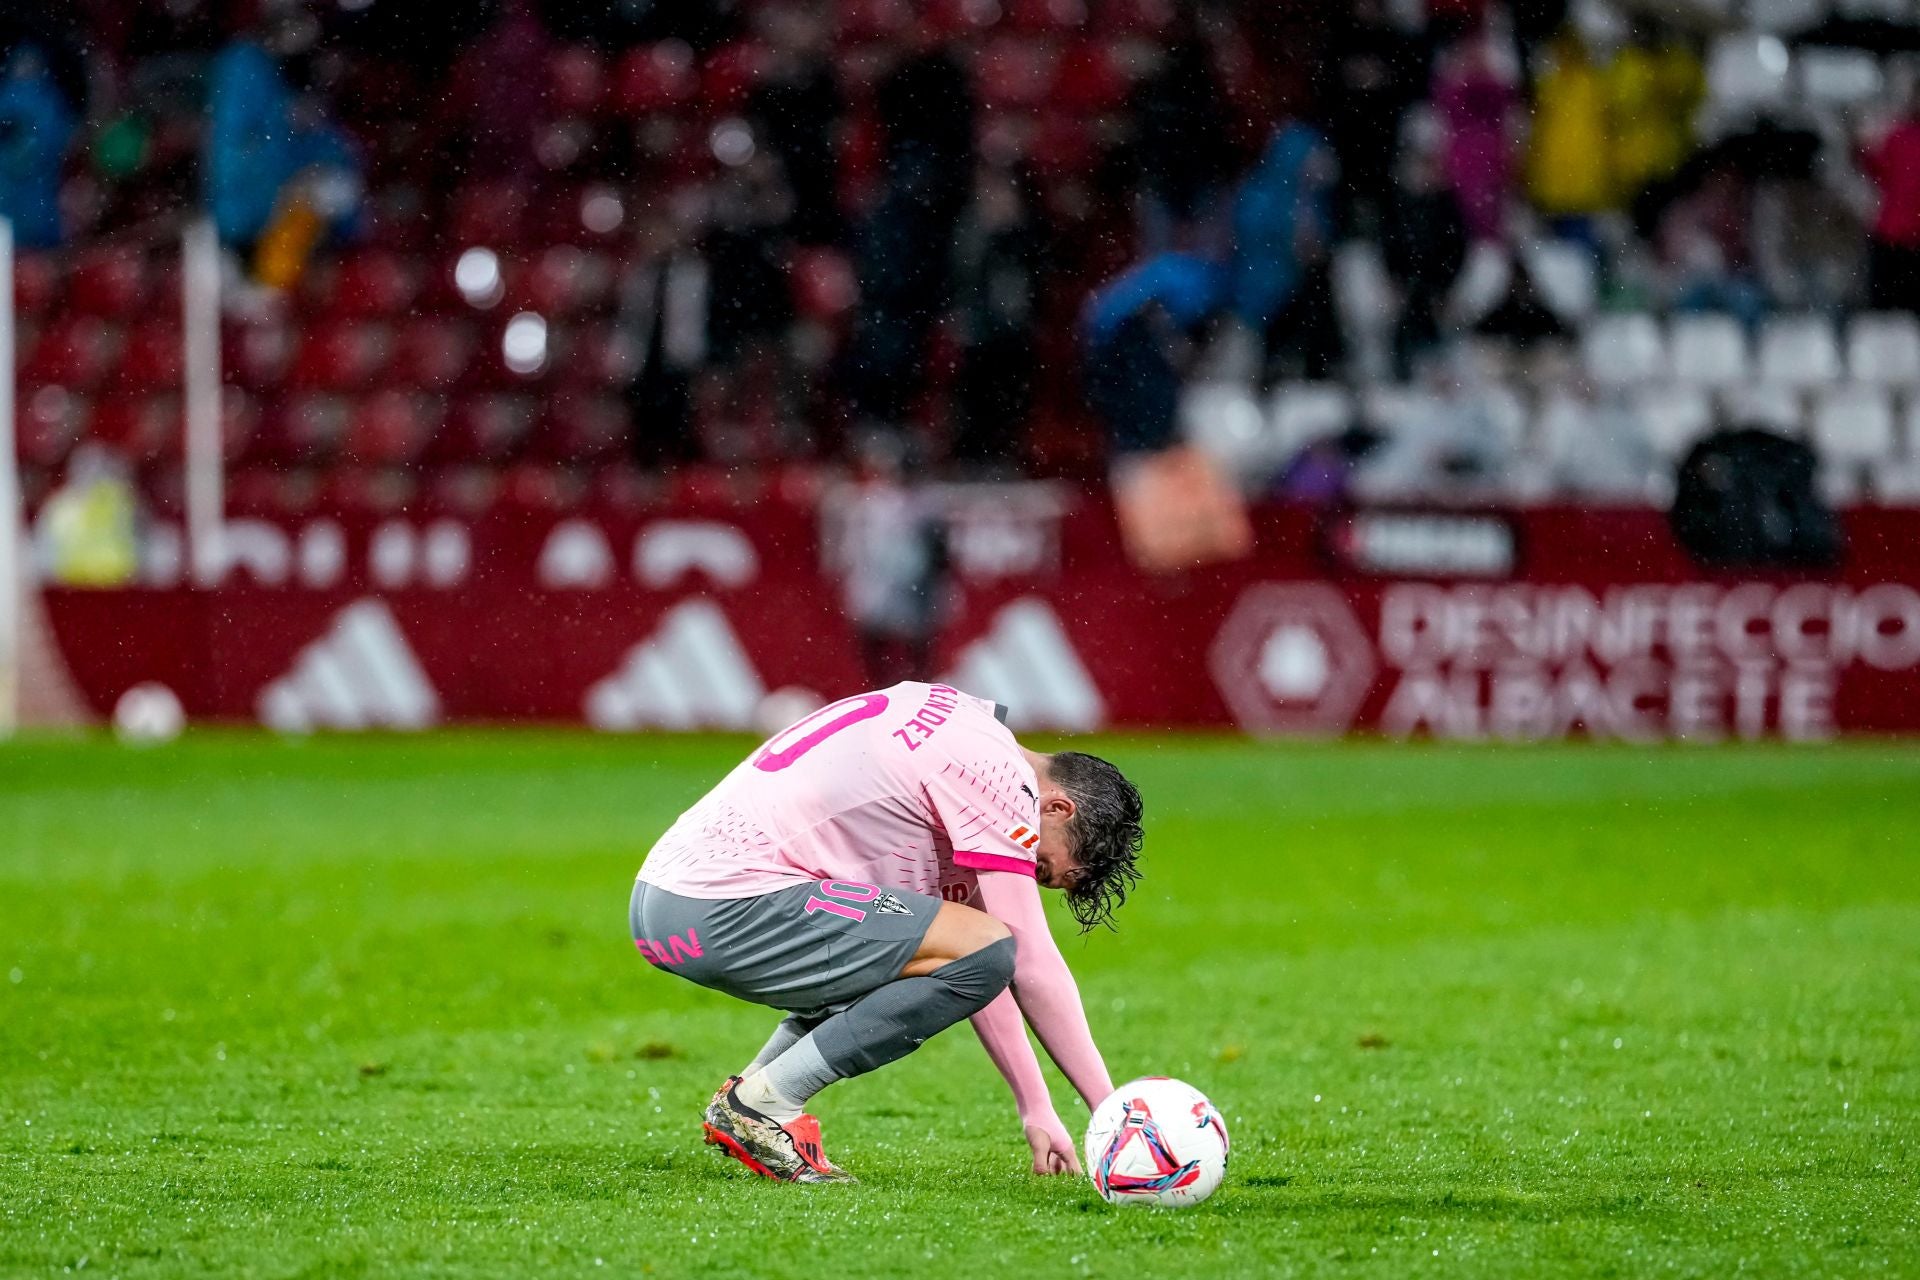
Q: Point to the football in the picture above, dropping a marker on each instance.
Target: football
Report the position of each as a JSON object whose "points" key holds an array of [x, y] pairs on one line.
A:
{"points": [[1156, 1141]]}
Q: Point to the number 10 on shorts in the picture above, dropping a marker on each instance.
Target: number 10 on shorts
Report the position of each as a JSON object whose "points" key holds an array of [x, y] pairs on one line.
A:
{"points": [[850, 891]]}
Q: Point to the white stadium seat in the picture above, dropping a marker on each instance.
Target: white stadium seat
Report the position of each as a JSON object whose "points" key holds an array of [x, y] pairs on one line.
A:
{"points": [[1673, 415], [1224, 421], [1709, 350], [1772, 405], [1854, 424], [1389, 409], [1482, 282], [1897, 483], [1840, 77], [1884, 349], [1623, 349], [1507, 410], [1306, 411], [1564, 274], [1784, 16], [1799, 351], [1748, 70]]}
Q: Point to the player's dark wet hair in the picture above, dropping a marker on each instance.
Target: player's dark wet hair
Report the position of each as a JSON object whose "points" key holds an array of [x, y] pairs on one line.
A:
{"points": [[1105, 834]]}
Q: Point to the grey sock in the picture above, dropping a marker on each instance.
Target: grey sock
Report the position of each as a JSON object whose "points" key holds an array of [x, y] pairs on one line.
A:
{"points": [[890, 1022], [783, 1038]]}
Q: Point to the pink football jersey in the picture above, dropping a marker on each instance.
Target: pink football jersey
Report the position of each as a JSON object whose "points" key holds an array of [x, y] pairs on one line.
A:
{"points": [[914, 787]]}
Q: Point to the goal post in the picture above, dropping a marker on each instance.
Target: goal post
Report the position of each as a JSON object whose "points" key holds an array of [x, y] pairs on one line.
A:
{"points": [[204, 449]]}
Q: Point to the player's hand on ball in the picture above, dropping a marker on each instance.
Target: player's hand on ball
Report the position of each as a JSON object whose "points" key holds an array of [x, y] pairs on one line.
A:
{"points": [[1052, 1147]]}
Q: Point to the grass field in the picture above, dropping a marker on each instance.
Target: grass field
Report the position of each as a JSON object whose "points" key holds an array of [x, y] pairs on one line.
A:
{"points": [[368, 1007]]}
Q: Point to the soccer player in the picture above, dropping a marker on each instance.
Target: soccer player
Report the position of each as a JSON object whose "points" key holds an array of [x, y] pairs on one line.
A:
{"points": [[875, 870]]}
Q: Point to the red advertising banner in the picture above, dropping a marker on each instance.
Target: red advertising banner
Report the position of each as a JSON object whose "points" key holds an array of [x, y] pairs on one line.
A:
{"points": [[1531, 624]]}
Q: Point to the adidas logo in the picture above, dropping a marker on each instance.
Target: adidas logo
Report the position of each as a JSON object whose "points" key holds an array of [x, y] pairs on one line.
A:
{"points": [[361, 674], [690, 674], [1026, 661]]}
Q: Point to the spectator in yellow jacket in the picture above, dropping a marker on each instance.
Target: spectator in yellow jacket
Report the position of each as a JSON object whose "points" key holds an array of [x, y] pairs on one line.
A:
{"points": [[1568, 174], [1654, 87]]}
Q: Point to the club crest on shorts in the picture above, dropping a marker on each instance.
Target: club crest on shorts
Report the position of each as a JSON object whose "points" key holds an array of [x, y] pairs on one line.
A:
{"points": [[889, 905]]}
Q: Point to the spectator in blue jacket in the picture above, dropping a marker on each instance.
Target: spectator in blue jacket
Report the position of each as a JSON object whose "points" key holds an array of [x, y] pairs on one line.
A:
{"points": [[36, 124], [1283, 234], [261, 137], [1141, 332]]}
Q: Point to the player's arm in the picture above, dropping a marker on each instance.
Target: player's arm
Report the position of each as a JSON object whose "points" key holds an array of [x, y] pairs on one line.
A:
{"points": [[1043, 986], [1003, 1033]]}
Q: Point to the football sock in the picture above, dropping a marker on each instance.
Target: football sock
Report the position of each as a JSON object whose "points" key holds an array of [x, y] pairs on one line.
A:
{"points": [[760, 1092], [790, 1030], [886, 1024]]}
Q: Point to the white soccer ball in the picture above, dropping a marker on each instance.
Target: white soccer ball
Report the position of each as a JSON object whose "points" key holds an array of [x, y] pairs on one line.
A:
{"points": [[148, 713], [1156, 1141]]}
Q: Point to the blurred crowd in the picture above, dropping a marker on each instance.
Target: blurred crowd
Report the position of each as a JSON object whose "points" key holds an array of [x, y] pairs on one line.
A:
{"points": [[1000, 234]]}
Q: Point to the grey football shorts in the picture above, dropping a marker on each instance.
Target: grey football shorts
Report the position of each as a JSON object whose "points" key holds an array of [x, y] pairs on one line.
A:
{"points": [[811, 949]]}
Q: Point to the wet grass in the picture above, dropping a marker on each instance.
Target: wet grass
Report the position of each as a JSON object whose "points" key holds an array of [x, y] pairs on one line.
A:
{"points": [[367, 1007]]}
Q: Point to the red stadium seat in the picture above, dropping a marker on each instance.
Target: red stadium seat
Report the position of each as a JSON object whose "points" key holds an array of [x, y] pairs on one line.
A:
{"points": [[256, 355], [562, 282], [304, 429], [110, 281], [729, 76], [1046, 17], [392, 428], [487, 428], [656, 77], [153, 358], [538, 488], [372, 284], [623, 487], [379, 490], [36, 283], [239, 421], [824, 286], [711, 486], [143, 429], [580, 428], [343, 356], [1090, 78], [49, 423], [958, 19], [578, 78], [75, 352], [464, 490], [431, 353], [264, 491], [862, 21], [602, 356], [1134, 17], [487, 213], [1010, 72], [1063, 144]]}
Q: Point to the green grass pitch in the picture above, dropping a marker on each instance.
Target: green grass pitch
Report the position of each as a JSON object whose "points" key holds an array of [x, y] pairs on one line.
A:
{"points": [[368, 1008]]}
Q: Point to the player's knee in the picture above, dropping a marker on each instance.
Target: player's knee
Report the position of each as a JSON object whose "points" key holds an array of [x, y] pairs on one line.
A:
{"points": [[980, 975]]}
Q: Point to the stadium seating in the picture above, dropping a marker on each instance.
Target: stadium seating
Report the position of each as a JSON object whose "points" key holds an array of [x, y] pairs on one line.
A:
{"points": [[388, 357], [1854, 424], [1776, 406], [1304, 412], [1799, 351], [1708, 350], [1884, 349], [1674, 415], [1748, 70], [1624, 349]]}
